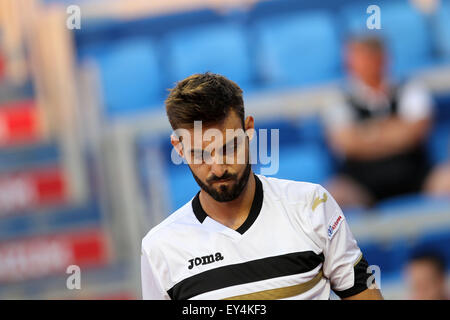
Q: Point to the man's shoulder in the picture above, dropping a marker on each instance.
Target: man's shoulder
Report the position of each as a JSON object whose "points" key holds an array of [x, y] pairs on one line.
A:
{"points": [[166, 229], [308, 205], [290, 190]]}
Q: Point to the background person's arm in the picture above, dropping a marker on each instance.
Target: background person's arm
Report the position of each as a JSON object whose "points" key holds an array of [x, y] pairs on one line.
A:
{"points": [[378, 139]]}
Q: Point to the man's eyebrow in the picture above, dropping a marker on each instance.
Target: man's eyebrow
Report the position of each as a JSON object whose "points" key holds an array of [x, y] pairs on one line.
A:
{"points": [[229, 142], [234, 140]]}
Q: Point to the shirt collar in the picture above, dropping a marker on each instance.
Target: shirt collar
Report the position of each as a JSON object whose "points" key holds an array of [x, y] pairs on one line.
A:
{"points": [[254, 209]]}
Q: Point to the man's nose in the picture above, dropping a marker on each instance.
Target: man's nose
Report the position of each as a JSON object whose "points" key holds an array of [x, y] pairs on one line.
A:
{"points": [[218, 169]]}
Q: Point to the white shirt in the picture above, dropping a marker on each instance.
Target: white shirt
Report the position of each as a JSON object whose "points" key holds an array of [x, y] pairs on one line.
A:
{"points": [[295, 244], [414, 103]]}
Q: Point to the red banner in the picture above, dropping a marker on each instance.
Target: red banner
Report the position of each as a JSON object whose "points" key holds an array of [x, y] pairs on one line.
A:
{"points": [[47, 255], [19, 123], [31, 189]]}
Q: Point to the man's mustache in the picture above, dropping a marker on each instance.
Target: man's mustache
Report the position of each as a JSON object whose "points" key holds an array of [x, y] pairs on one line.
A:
{"points": [[223, 177]]}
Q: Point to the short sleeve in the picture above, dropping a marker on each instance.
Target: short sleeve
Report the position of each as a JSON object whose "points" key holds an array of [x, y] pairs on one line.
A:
{"points": [[151, 288], [344, 264], [415, 102], [338, 114]]}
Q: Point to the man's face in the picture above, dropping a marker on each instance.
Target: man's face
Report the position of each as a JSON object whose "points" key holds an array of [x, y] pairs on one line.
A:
{"points": [[218, 156], [424, 281], [365, 63]]}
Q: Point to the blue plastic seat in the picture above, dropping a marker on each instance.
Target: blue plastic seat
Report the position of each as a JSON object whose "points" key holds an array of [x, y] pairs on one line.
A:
{"points": [[438, 142], [130, 76], [404, 202], [443, 23], [302, 162], [287, 130], [402, 27], [218, 48], [92, 51], [389, 256], [35, 155], [399, 249], [57, 219], [375, 254], [296, 49], [437, 241], [154, 162], [182, 185], [267, 8]]}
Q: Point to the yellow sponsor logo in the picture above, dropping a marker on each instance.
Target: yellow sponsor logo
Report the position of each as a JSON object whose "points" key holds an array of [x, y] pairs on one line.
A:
{"points": [[318, 201]]}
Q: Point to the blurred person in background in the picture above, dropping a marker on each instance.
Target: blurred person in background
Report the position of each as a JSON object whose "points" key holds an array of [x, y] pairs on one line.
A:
{"points": [[379, 131], [425, 276]]}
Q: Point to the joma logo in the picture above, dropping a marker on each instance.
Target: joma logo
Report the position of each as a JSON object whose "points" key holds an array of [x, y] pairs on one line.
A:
{"points": [[205, 260]]}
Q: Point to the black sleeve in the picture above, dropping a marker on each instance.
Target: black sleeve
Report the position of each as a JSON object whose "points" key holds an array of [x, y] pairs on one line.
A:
{"points": [[361, 277]]}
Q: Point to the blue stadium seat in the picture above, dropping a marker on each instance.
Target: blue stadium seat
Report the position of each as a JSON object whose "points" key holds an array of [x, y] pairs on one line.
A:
{"points": [[443, 22], [296, 49], [50, 220], [439, 139], [130, 76], [92, 51], [303, 162], [263, 9], [288, 131], [303, 154], [437, 241], [399, 250], [389, 256], [182, 185], [439, 143], [409, 204], [29, 156], [392, 256], [375, 254], [311, 129], [112, 29], [403, 28], [218, 48]]}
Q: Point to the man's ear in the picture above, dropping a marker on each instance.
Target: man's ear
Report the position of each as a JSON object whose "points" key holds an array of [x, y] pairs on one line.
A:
{"points": [[176, 143], [249, 127]]}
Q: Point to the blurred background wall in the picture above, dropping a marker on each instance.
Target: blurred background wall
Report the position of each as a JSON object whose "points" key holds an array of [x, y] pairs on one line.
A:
{"points": [[85, 167]]}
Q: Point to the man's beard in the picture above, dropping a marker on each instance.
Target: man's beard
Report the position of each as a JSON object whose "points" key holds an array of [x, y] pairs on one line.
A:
{"points": [[226, 193]]}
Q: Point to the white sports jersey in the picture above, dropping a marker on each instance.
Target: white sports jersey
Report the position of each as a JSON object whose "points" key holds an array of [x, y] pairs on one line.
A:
{"points": [[294, 244]]}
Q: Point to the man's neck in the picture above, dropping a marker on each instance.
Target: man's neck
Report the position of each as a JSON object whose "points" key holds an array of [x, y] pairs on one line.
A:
{"points": [[376, 85], [231, 213]]}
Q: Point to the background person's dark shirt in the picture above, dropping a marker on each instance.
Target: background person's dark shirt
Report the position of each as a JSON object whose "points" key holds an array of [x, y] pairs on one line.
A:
{"points": [[403, 172]]}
